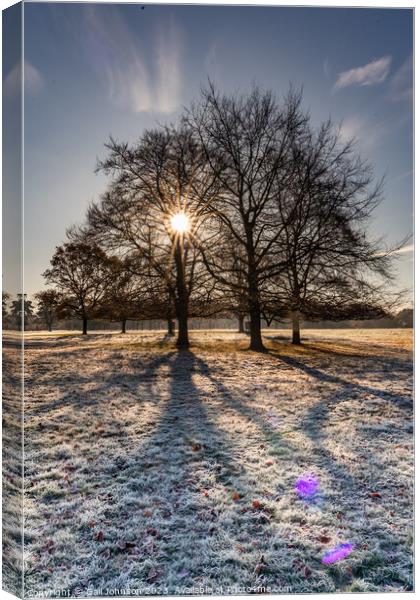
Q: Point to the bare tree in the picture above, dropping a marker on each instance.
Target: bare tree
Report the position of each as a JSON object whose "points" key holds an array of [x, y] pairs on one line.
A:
{"points": [[155, 208], [332, 268], [247, 140], [48, 302], [80, 272]]}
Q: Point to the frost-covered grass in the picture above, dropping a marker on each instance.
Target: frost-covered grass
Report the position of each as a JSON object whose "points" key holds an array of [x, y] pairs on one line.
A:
{"points": [[167, 471]]}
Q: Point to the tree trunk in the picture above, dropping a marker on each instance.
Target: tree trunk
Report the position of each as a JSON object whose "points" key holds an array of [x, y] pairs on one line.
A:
{"points": [[181, 303], [296, 329], [255, 329], [182, 340], [256, 343], [241, 327], [171, 326], [85, 322], [123, 325]]}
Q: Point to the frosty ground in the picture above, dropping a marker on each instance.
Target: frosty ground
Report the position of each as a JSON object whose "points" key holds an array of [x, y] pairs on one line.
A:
{"points": [[161, 471]]}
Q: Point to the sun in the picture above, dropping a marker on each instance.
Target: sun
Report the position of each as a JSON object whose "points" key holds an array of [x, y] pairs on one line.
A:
{"points": [[180, 222]]}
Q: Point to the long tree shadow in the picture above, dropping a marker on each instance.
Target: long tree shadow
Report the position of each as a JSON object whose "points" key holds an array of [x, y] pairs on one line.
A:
{"points": [[174, 485], [201, 471], [375, 356], [158, 510], [354, 487], [250, 412], [399, 400], [351, 496], [65, 472]]}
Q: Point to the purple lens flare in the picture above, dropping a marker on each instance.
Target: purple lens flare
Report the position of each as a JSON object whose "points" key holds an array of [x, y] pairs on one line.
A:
{"points": [[338, 553], [306, 486]]}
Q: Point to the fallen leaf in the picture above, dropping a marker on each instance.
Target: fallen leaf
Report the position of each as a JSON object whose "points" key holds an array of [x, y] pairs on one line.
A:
{"points": [[256, 504], [324, 539], [375, 495], [235, 496]]}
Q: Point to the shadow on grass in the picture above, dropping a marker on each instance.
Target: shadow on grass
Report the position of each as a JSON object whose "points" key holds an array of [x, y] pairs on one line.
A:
{"points": [[174, 466], [397, 399]]}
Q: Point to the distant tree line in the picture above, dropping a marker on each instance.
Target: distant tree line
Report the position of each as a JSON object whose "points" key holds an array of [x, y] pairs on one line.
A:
{"points": [[243, 208], [44, 315]]}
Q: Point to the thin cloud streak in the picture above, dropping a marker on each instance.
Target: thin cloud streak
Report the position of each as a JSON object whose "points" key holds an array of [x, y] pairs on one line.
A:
{"points": [[359, 130], [398, 178], [168, 80], [34, 82], [119, 60], [371, 74], [368, 132], [401, 84]]}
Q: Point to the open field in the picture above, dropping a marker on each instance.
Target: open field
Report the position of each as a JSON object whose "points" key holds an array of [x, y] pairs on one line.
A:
{"points": [[151, 468]]}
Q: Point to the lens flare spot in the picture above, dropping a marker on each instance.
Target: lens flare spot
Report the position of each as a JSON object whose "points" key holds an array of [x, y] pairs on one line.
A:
{"points": [[337, 553], [306, 486]]}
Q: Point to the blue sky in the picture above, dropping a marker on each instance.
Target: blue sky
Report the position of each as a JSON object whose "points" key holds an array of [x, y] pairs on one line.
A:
{"points": [[92, 70]]}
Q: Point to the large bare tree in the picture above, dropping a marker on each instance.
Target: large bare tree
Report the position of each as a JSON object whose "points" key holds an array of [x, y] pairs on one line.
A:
{"points": [[332, 268], [247, 143], [155, 207]]}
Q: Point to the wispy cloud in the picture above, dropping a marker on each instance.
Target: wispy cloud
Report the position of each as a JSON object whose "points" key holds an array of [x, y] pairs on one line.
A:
{"points": [[401, 176], [168, 79], [373, 73], [401, 84], [133, 82], [34, 82], [351, 128], [360, 130], [368, 130]]}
